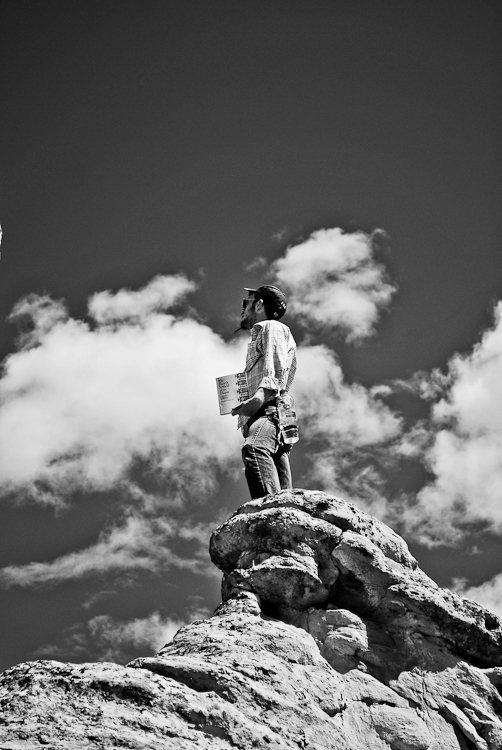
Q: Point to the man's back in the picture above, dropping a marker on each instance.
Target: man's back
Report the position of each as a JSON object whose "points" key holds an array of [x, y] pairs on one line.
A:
{"points": [[271, 358]]}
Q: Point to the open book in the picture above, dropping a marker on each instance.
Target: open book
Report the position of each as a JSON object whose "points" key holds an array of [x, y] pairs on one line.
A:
{"points": [[232, 390]]}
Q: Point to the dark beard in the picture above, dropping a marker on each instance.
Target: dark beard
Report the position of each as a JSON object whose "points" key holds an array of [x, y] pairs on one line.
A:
{"points": [[244, 326], [241, 328]]}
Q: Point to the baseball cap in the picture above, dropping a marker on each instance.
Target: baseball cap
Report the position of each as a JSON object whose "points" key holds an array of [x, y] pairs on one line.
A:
{"points": [[273, 299]]}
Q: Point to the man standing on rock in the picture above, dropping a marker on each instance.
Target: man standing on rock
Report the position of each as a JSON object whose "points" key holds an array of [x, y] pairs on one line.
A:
{"points": [[270, 369]]}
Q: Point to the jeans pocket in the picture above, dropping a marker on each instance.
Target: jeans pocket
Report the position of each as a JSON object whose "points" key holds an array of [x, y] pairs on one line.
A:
{"points": [[262, 433]]}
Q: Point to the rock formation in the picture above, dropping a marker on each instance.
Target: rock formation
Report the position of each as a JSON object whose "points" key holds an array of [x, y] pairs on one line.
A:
{"points": [[329, 637]]}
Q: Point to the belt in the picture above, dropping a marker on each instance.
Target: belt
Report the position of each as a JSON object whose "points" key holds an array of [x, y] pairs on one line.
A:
{"points": [[270, 407]]}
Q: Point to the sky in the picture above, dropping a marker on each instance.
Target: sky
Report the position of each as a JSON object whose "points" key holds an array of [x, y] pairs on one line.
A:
{"points": [[155, 159]]}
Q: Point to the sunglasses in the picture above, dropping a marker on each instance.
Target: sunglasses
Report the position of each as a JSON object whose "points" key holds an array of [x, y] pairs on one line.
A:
{"points": [[247, 300]]}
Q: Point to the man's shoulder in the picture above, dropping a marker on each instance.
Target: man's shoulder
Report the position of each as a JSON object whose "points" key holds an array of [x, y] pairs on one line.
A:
{"points": [[273, 331], [272, 326]]}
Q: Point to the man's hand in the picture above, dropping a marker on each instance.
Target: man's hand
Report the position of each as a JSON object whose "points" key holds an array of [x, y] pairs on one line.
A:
{"points": [[250, 407], [247, 408]]}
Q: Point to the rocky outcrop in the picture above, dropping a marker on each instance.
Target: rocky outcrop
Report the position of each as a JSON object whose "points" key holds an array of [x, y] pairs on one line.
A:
{"points": [[319, 563], [329, 637]]}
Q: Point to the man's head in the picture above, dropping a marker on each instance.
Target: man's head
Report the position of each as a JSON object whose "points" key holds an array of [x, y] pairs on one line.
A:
{"points": [[272, 299], [264, 303]]}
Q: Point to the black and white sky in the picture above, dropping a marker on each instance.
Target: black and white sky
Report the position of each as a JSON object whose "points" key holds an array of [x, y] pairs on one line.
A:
{"points": [[157, 157]]}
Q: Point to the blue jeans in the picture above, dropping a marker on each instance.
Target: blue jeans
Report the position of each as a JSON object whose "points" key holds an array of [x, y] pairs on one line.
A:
{"points": [[266, 458]]}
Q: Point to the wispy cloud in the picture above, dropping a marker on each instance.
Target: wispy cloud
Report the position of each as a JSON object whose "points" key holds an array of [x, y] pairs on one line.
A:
{"points": [[488, 594], [104, 638], [35, 316], [257, 264], [333, 280], [158, 295], [139, 543]]}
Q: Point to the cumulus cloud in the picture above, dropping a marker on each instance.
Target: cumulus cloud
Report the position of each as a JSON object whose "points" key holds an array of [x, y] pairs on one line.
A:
{"points": [[333, 280], [79, 404], [104, 638], [347, 426], [464, 446], [332, 408]]}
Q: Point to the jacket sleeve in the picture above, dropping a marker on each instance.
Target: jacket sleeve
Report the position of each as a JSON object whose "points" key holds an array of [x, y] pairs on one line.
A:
{"points": [[272, 345]]}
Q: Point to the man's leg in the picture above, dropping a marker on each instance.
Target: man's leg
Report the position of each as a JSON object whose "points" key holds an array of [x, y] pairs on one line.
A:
{"points": [[283, 468], [258, 453]]}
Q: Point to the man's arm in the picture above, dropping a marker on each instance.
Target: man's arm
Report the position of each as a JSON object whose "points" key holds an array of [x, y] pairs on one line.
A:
{"points": [[250, 407]]}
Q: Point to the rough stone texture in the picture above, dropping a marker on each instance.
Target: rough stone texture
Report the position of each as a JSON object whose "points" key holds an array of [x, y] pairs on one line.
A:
{"points": [[329, 638], [328, 555]]}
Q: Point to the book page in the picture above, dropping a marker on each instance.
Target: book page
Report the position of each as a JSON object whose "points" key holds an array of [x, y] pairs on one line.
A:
{"points": [[232, 390]]}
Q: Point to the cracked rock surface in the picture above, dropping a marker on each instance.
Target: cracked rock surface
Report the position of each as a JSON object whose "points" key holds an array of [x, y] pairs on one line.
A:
{"points": [[329, 637]]}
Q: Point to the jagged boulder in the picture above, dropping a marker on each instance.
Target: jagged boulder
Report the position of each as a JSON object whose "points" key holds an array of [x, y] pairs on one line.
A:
{"points": [[329, 638], [350, 581]]}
